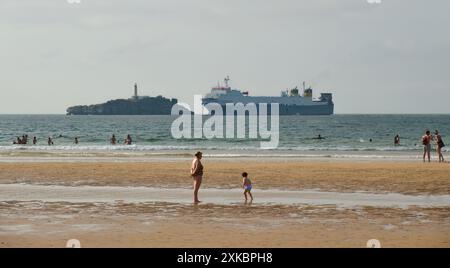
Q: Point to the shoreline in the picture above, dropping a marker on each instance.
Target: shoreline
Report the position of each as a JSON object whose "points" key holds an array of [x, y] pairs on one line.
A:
{"points": [[55, 155]]}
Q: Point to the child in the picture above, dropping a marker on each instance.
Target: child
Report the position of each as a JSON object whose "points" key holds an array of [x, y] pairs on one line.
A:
{"points": [[247, 185]]}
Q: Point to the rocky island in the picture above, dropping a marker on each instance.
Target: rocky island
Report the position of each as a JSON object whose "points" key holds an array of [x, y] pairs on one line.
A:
{"points": [[136, 105]]}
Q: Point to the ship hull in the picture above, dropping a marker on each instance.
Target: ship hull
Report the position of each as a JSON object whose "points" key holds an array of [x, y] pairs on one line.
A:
{"points": [[327, 109], [317, 109]]}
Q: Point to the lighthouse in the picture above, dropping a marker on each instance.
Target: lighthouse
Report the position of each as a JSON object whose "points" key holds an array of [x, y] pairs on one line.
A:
{"points": [[135, 91]]}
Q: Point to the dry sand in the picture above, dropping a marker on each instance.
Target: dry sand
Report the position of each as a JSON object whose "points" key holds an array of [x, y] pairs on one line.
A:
{"points": [[155, 224]]}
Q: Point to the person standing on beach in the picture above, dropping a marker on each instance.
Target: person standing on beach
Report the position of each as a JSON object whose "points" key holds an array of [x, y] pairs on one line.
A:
{"points": [[426, 142], [439, 145], [397, 140], [197, 174]]}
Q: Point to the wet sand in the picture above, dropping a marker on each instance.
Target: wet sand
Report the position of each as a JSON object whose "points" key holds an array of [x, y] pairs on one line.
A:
{"points": [[285, 174], [297, 204], [51, 224], [132, 195]]}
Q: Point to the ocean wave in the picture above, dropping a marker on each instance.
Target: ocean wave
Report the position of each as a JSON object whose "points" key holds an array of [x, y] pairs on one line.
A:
{"points": [[306, 156], [349, 148]]}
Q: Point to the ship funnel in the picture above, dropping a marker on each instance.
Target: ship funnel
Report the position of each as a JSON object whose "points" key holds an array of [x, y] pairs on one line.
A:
{"points": [[294, 91], [307, 93]]}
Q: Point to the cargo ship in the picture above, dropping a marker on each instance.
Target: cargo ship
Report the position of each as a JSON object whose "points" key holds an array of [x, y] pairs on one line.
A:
{"points": [[291, 102]]}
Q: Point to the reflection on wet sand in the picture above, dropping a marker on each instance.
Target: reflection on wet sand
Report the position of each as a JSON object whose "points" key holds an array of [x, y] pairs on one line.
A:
{"points": [[80, 194]]}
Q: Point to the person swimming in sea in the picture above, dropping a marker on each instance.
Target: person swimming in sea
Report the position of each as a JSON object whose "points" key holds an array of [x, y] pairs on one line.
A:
{"points": [[34, 140], [49, 141], [397, 140], [113, 140], [76, 140], [128, 140], [17, 141], [319, 137], [247, 186]]}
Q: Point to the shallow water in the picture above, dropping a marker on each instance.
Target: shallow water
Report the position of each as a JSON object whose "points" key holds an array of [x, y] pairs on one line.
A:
{"points": [[343, 133], [102, 156], [110, 194]]}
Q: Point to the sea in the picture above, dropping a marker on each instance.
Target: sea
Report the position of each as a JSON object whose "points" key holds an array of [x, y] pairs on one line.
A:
{"points": [[352, 135]]}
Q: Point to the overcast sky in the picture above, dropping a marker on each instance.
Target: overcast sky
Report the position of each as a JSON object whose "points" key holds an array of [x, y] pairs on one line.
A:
{"points": [[392, 57]]}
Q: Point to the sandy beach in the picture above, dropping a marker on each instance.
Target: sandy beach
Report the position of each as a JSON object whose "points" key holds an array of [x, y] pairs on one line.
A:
{"points": [[297, 204], [134, 124]]}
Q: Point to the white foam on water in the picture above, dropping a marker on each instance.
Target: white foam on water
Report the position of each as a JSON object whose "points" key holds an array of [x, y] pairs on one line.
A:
{"points": [[125, 153], [113, 194], [226, 147]]}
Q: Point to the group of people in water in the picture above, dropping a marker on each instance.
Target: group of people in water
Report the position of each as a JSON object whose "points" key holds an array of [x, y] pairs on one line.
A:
{"points": [[127, 141], [197, 175], [427, 140], [24, 140]]}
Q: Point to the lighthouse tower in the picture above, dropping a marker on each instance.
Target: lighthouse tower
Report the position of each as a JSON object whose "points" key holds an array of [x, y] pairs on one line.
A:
{"points": [[135, 91]]}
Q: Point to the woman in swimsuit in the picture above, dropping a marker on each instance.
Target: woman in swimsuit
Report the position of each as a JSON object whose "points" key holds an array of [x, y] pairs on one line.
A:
{"points": [[197, 174], [439, 145], [128, 140]]}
